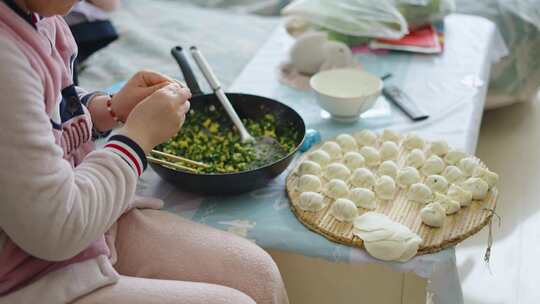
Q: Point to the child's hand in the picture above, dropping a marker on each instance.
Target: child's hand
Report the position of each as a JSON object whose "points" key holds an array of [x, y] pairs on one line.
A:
{"points": [[158, 117], [140, 86]]}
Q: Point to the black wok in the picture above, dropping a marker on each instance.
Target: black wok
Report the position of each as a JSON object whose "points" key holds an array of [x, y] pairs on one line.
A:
{"points": [[247, 106]]}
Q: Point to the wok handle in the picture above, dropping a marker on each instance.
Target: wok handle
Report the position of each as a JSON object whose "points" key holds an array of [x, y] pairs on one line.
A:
{"points": [[178, 53]]}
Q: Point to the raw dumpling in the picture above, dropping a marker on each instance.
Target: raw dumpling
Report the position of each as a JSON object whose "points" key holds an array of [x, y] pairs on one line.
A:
{"points": [[365, 138], [353, 160], [433, 215], [385, 239], [311, 201], [454, 156], [416, 158], [467, 166], [309, 183], [389, 135], [337, 188], [413, 141], [346, 142], [321, 157], [437, 183], [389, 168], [491, 178], [333, 149], [371, 156], [433, 165], [309, 167], [337, 170], [477, 186], [407, 176], [385, 188], [420, 193], [344, 210], [363, 178], [363, 198], [453, 174], [439, 148], [389, 150], [462, 196], [450, 206]]}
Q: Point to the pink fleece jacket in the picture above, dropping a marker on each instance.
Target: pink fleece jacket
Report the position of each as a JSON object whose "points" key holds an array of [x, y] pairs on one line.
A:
{"points": [[57, 198]]}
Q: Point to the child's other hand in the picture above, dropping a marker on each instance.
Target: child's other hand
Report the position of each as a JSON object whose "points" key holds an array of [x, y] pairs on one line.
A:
{"points": [[158, 117], [139, 87]]}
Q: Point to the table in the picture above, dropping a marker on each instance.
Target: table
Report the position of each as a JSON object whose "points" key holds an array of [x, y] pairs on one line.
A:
{"points": [[451, 87]]}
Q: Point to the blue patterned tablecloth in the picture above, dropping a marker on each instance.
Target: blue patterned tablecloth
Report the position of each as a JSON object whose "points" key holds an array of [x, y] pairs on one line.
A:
{"points": [[451, 87]]}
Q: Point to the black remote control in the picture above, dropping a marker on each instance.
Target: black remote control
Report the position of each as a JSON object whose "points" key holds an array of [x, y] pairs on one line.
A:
{"points": [[404, 102]]}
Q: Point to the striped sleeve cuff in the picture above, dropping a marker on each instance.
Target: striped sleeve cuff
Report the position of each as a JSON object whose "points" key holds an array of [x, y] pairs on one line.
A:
{"points": [[129, 151]]}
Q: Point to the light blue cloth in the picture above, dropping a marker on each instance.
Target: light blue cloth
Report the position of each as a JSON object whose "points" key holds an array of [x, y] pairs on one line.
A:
{"points": [[451, 87]]}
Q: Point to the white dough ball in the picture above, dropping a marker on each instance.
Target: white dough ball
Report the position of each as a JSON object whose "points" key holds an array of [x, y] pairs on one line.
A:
{"points": [[389, 150], [437, 183], [467, 166], [371, 156], [363, 178], [453, 174], [321, 157], [450, 206], [309, 183], [337, 188], [433, 215], [365, 138], [353, 160], [333, 149], [385, 188], [433, 165], [363, 198], [389, 135], [454, 156], [477, 186], [337, 170], [439, 148], [416, 158], [462, 196], [389, 168], [407, 176], [311, 201], [420, 193], [413, 141], [346, 142], [309, 167], [344, 210], [491, 178]]}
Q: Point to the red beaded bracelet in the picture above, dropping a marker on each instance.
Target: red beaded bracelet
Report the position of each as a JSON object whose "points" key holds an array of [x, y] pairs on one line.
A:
{"points": [[111, 112]]}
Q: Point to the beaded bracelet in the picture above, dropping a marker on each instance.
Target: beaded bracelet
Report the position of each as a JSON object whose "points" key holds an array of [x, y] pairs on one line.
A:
{"points": [[112, 113]]}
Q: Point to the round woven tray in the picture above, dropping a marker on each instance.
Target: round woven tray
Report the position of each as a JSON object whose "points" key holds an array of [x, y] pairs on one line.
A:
{"points": [[457, 227]]}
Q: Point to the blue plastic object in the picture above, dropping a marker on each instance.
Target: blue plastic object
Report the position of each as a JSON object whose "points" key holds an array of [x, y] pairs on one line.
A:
{"points": [[313, 137]]}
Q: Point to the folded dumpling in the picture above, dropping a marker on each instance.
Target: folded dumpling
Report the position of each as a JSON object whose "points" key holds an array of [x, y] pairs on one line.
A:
{"points": [[491, 178], [477, 186], [321, 157], [337, 170], [311, 201], [346, 142], [413, 141], [309, 183], [433, 215], [333, 149], [344, 210], [388, 168], [337, 188], [309, 167], [389, 150], [365, 138], [385, 188], [433, 165], [420, 193], [353, 160], [371, 156], [453, 174], [363, 198], [439, 148], [437, 183], [390, 135], [416, 158], [407, 176], [460, 195], [363, 178]]}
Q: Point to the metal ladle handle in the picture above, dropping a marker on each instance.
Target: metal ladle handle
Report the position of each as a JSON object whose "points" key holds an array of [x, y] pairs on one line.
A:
{"points": [[218, 90]]}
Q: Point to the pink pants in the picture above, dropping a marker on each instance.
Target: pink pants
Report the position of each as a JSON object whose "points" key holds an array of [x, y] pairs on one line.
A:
{"points": [[163, 258]]}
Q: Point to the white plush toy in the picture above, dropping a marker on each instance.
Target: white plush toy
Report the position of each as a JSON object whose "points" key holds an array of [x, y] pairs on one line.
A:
{"points": [[313, 52]]}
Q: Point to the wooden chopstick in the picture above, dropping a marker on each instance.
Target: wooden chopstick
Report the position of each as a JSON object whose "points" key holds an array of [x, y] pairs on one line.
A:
{"points": [[172, 165], [180, 159]]}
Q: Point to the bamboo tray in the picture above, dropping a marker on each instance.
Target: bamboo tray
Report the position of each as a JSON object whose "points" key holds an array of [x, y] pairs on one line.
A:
{"points": [[457, 227]]}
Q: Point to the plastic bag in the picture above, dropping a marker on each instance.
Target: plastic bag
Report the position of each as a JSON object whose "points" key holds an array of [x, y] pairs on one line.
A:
{"points": [[515, 78], [361, 18], [389, 19]]}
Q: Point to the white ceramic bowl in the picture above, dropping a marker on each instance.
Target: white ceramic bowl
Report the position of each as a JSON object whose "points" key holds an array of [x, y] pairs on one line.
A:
{"points": [[346, 93]]}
